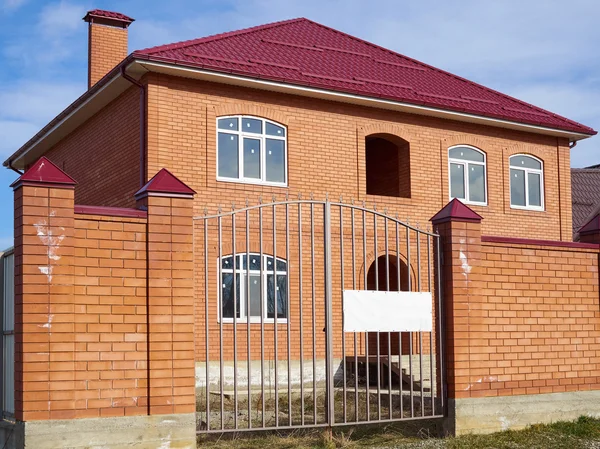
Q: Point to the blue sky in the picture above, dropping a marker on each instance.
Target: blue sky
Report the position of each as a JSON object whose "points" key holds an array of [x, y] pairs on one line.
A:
{"points": [[541, 51]]}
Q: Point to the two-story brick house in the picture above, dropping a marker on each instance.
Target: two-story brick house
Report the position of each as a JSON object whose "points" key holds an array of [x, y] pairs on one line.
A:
{"points": [[295, 109]]}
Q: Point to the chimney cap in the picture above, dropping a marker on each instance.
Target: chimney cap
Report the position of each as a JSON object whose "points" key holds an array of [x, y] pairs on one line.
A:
{"points": [[108, 18]]}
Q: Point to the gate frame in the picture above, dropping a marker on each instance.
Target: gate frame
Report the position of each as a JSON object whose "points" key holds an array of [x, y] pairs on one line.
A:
{"points": [[438, 323]]}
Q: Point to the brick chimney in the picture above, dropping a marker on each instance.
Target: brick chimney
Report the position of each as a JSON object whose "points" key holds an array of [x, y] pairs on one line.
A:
{"points": [[107, 42]]}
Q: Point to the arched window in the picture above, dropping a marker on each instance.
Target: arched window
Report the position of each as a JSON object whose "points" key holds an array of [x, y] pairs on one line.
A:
{"points": [[526, 182], [256, 285], [467, 174], [251, 149], [387, 165]]}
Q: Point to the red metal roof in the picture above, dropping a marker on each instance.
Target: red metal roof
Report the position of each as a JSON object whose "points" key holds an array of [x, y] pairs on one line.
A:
{"points": [[44, 171], [165, 182], [306, 53], [101, 13], [455, 210]]}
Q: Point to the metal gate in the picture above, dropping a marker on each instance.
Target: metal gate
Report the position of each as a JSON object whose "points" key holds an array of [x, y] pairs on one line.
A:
{"points": [[274, 353]]}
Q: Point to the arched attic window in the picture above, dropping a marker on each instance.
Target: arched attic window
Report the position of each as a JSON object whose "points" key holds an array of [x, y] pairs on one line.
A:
{"points": [[387, 165]]}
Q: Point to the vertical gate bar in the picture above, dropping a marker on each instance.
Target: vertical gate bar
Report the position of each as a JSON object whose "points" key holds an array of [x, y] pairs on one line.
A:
{"points": [[389, 334], [288, 309], [421, 372], [262, 314], [355, 342], [248, 317], [418, 235], [377, 343], [410, 334], [328, 316], [431, 350], [314, 315], [235, 312], [220, 264], [440, 316], [400, 376], [344, 364], [206, 322], [301, 315], [275, 301], [364, 229]]}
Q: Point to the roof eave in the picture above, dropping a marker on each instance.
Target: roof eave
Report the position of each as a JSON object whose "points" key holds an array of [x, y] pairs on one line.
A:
{"points": [[162, 65]]}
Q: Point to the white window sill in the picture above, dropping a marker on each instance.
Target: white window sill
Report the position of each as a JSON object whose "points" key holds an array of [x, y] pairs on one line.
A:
{"points": [[470, 203], [531, 208], [253, 321], [252, 181]]}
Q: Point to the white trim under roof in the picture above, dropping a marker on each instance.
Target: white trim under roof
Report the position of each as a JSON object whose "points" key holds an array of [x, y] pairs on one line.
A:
{"points": [[225, 78], [117, 85]]}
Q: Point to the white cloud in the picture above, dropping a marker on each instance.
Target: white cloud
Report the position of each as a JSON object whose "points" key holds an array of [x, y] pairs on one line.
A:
{"points": [[37, 101], [60, 19], [11, 5], [27, 106], [13, 134], [57, 37]]}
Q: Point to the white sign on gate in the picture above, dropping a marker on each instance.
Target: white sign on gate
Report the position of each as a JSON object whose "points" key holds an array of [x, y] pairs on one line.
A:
{"points": [[373, 311]]}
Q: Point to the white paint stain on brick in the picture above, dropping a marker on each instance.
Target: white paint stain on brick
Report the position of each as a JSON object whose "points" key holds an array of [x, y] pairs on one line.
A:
{"points": [[51, 242], [48, 325], [480, 380], [466, 268]]}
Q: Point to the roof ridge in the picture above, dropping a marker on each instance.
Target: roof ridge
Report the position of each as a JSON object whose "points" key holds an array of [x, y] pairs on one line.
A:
{"points": [[227, 34], [452, 75]]}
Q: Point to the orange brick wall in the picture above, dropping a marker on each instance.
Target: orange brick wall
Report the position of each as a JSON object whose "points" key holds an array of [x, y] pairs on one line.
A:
{"points": [[522, 316], [102, 155], [326, 153], [103, 308], [540, 324], [107, 48]]}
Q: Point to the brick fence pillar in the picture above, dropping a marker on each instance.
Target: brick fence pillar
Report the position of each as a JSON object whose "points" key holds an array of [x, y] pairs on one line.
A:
{"points": [[44, 324], [170, 294], [460, 230]]}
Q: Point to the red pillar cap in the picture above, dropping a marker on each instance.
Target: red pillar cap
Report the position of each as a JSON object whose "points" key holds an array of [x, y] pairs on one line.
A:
{"points": [[592, 226], [165, 183], [455, 210], [44, 172]]}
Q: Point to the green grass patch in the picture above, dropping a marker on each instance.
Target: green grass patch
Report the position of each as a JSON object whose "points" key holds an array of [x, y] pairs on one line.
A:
{"points": [[583, 433]]}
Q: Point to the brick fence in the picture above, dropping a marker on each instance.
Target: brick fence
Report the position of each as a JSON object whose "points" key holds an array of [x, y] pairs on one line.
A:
{"points": [[105, 317], [103, 310], [522, 328]]}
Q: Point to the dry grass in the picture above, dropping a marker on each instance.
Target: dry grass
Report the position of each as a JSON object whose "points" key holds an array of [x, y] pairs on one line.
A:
{"points": [[581, 434]]}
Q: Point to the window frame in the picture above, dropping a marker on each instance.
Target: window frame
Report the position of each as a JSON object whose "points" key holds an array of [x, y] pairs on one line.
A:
{"points": [[263, 149], [465, 164], [245, 273], [537, 171]]}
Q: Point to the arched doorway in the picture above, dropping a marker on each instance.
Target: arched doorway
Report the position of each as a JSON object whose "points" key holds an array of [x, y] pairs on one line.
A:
{"points": [[387, 165], [382, 272]]}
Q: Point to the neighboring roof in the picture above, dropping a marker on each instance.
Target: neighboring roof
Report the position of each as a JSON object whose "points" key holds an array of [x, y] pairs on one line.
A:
{"points": [[585, 194], [306, 53], [103, 14], [455, 210], [45, 172]]}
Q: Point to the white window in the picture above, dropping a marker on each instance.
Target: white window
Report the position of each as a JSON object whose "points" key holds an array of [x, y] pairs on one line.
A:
{"points": [[252, 150], [467, 175], [255, 288], [526, 182]]}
